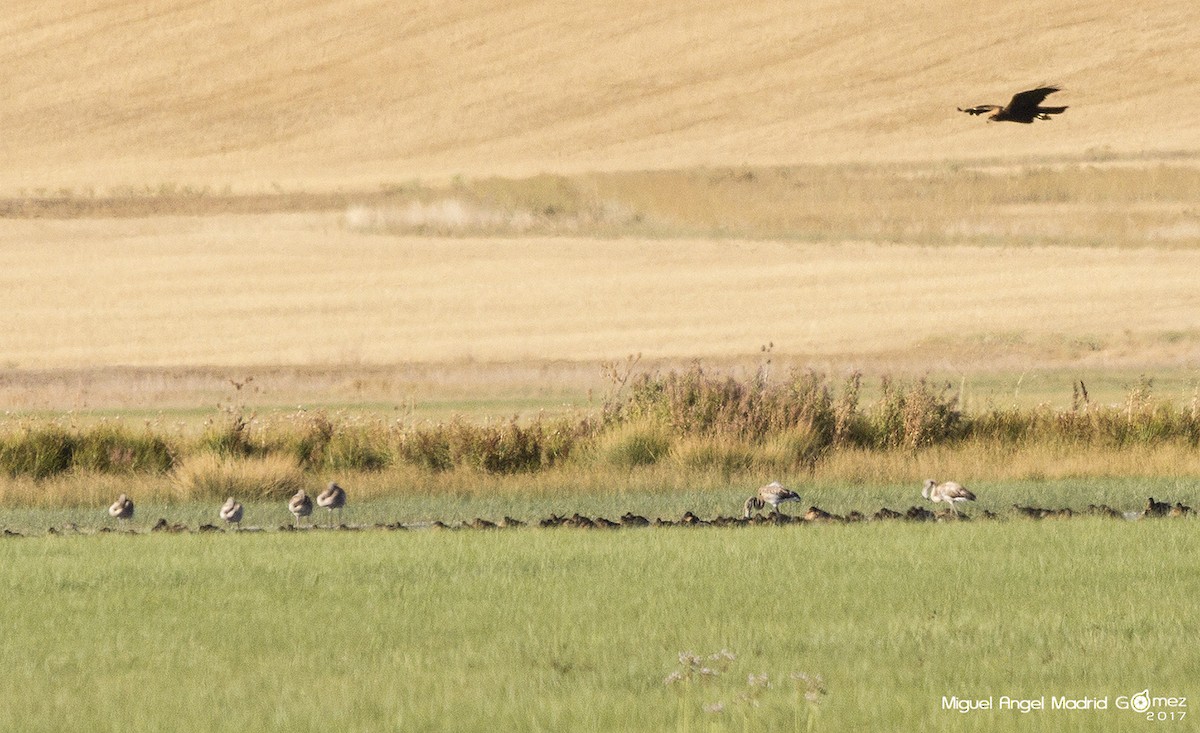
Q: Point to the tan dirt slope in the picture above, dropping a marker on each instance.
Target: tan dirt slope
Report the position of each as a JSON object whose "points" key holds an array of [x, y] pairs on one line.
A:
{"points": [[100, 94]]}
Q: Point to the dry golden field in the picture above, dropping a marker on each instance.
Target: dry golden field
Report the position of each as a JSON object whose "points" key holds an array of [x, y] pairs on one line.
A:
{"points": [[318, 95], [194, 192], [301, 289]]}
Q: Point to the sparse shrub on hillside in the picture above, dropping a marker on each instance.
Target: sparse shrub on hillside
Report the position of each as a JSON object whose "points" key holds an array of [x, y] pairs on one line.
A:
{"points": [[539, 206]]}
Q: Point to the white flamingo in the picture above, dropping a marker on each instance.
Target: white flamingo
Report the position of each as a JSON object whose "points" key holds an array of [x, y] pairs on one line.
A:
{"points": [[231, 512], [300, 506], [774, 494], [121, 509], [333, 497], [949, 492]]}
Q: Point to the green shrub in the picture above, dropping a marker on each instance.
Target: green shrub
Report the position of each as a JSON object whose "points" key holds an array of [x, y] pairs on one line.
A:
{"points": [[109, 449], [38, 452], [358, 448], [630, 446], [229, 436], [561, 438], [506, 448], [311, 440]]}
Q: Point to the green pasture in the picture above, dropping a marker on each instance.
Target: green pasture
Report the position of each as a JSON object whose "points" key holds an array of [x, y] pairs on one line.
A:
{"points": [[855, 627]]}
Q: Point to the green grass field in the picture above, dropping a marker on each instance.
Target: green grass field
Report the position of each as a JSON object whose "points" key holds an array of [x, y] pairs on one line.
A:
{"points": [[565, 630]]}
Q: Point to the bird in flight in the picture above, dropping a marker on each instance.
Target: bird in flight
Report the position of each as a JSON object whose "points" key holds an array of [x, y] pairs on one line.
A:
{"points": [[1024, 107]]}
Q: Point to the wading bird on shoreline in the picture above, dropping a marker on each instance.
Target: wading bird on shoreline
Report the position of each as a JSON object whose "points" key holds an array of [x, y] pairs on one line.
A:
{"points": [[121, 509], [300, 506], [773, 493], [949, 492], [333, 497], [1024, 107], [231, 512]]}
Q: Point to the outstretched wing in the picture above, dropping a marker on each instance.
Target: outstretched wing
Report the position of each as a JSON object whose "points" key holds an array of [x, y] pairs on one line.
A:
{"points": [[980, 109], [1029, 100]]}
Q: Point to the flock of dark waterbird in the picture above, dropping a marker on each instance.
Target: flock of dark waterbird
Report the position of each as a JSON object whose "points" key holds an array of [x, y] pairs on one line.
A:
{"points": [[774, 495]]}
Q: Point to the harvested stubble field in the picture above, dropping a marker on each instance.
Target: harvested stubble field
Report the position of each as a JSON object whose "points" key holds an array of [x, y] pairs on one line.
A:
{"points": [[370, 234], [896, 284]]}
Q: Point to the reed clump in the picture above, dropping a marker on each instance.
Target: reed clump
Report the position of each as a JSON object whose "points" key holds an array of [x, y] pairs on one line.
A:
{"points": [[804, 407]]}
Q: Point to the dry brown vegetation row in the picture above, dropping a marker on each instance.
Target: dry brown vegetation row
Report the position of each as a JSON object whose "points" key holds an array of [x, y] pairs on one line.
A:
{"points": [[702, 420]]}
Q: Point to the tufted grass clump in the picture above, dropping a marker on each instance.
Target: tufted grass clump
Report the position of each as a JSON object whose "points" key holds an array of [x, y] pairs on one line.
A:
{"points": [[214, 477], [632, 445]]}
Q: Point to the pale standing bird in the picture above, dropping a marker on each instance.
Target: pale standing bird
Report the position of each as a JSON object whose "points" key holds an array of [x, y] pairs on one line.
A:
{"points": [[949, 492], [231, 512], [300, 505], [333, 497], [774, 494], [122, 508]]}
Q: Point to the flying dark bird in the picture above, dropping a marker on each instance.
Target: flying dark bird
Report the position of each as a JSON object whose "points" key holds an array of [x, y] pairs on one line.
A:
{"points": [[1024, 107]]}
